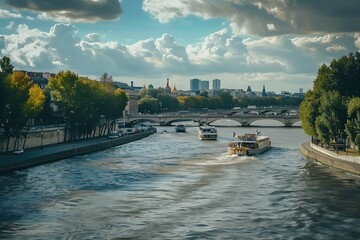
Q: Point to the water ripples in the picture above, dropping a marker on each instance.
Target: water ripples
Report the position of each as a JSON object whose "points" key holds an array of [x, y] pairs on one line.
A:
{"points": [[172, 186]]}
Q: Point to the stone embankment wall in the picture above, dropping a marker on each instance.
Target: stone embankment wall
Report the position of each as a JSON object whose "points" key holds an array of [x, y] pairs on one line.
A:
{"points": [[34, 139], [344, 162], [62, 153]]}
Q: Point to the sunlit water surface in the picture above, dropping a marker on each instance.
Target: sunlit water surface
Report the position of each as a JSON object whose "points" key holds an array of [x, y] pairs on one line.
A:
{"points": [[173, 186]]}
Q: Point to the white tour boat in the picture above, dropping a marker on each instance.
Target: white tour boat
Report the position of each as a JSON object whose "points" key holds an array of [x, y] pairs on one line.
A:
{"points": [[207, 133], [249, 144]]}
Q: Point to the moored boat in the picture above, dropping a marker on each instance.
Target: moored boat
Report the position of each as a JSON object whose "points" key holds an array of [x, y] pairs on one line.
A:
{"points": [[249, 144], [180, 128], [207, 133]]}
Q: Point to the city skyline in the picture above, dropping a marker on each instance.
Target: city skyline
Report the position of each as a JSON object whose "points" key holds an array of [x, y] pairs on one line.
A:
{"points": [[280, 44]]}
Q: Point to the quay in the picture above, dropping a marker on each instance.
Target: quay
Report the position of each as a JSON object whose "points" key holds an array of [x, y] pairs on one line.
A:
{"points": [[346, 163], [37, 156]]}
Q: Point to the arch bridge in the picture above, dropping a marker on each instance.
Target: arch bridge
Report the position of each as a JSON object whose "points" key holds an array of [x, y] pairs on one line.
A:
{"points": [[245, 120]]}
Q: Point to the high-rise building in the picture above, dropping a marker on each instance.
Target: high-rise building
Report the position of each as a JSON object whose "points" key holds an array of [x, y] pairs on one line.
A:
{"points": [[195, 84], [204, 85], [216, 84]]}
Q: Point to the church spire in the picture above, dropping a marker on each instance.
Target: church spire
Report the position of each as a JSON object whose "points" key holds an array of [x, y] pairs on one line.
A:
{"points": [[263, 91]]}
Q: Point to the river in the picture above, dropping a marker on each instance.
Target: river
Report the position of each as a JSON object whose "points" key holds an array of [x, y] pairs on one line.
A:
{"points": [[173, 186]]}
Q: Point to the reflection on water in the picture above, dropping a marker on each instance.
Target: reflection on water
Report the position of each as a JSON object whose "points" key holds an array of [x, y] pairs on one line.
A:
{"points": [[173, 186]]}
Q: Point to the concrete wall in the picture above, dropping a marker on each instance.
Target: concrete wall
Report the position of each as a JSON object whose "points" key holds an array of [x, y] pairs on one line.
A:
{"points": [[39, 159], [334, 155], [346, 163], [35, 139]]}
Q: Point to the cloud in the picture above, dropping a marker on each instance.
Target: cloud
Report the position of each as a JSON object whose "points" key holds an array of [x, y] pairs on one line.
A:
{"points": [[221, 53], [11, 25], [6, 14], [266, 18], [357, 40], [69, 10]]}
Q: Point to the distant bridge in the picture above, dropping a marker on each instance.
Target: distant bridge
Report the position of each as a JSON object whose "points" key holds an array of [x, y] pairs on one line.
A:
{"points": [[243, 119]]}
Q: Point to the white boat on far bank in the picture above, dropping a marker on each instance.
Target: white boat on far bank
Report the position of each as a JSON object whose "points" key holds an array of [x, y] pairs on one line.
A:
{"points": [[249, 144], [207, 133]]}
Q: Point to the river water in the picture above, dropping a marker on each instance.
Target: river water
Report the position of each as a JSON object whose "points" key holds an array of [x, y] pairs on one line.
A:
{"points": [[173, 186]]}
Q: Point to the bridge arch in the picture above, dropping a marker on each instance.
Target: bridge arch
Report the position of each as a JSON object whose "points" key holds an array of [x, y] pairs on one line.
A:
{"points": [[244, 119]]}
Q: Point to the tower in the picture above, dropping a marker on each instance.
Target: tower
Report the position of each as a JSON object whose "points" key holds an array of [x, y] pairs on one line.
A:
{"points": [[263, 91], [167, 88], [216, 84]]}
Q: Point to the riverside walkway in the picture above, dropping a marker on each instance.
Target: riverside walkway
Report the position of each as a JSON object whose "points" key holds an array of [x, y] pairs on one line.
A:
{"points": [[37, 156], [344, 162]]}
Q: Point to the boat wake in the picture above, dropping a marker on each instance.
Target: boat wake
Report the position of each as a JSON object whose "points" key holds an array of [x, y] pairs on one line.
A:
{"points": [[224, 159]]}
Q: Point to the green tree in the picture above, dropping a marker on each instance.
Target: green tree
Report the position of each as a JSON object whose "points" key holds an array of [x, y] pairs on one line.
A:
{"points": [[227, 100], [63, 90], [86, 104], [215, 102], [320, 113], [148, 104], [115, 101], [309, 111], [168, 103], [330, 125], [6, 69], [195, 102], [25, 102], [6, 66], [353, 122], [345, 75], [153, 92]]}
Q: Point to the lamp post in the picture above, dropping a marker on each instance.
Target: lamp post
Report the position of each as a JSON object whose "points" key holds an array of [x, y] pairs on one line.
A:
{"points": [[58, 132], [41, 139]]}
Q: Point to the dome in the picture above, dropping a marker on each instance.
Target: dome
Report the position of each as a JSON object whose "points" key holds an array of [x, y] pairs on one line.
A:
{"points": [[174, 91], [143, 91]]}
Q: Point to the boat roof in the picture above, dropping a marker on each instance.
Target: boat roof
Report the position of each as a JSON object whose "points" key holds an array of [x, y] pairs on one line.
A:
{"points": [[250, 138]]}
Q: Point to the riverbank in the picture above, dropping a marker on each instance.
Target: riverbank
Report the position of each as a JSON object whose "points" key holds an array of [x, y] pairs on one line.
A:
{"points": [[37, 156], [344, 162]]}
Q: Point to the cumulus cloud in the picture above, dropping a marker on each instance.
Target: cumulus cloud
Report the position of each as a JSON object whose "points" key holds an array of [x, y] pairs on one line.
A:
{"points": [[357, 40], [222, 53], [69, 10], [7, 14], [266, 18]]}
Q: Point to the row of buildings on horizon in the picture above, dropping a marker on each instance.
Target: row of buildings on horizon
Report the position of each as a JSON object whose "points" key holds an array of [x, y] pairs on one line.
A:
{"points": [[197, 87]]}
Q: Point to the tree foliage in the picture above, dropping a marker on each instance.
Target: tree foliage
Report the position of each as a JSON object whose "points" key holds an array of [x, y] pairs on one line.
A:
{"points": [[333, 106], [353, 122], [148, 105], [25, 100], [168, 103], [86, 105], [330, 125], [6, 66]]}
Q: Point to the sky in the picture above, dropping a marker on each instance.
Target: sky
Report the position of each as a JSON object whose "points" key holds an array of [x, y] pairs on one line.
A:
{"points": [[279, 44]]}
